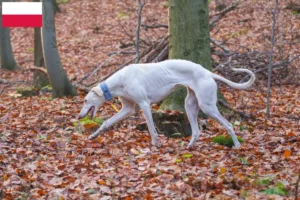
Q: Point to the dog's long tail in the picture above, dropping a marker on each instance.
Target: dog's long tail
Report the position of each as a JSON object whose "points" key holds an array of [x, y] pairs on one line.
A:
{"points": [[237, 85]]}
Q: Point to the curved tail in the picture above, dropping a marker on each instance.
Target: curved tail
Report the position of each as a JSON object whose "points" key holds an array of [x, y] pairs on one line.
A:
{"points": [[237, 85]]}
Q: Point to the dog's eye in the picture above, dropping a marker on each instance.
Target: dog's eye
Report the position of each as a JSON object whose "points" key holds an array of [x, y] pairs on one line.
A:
{"points": [[85, 101]]}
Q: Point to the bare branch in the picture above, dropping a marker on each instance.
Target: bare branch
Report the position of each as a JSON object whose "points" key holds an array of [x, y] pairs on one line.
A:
{"points": [[271, 60], [219, 45], [98, 67], [223, 64], [221, 14], [141, 5], [122, 66]]}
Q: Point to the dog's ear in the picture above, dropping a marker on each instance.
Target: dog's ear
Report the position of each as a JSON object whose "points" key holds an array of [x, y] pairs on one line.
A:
{"points": [[98, 91]]}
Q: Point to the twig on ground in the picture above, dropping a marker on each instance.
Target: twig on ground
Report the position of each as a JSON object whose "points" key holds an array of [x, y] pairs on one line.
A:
{"points": [[145, 26], [244, 115], [141, 5], [271, 60], [124, 53], [4, 81], [40, 69]]}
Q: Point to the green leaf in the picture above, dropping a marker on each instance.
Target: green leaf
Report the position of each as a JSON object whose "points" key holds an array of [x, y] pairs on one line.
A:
{"points": [[278, 189], [91, 191], [266, 180], [181, 143], [178, 160], [187, 155], [122, 15]]}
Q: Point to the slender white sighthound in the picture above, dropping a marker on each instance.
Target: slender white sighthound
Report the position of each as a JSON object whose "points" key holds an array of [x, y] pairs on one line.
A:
{"points": [[144, 84]]}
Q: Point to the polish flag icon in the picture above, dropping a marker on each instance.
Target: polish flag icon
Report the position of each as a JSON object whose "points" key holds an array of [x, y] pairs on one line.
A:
{"points": [[22, 14]]}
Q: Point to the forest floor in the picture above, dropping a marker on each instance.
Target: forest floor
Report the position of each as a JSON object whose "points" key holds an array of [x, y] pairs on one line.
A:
{"points": [[43, 156]]}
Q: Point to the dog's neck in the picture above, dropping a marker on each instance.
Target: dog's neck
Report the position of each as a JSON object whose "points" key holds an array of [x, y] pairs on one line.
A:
{"points": [[114, 86]]}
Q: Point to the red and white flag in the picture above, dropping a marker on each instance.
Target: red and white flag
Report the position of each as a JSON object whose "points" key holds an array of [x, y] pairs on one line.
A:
{"points": [[22, 14]]}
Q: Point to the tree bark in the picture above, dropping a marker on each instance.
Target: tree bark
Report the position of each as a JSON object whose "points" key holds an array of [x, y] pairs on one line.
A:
{"points": [[40, 79], [61, 86], [189, 40], [7, 56]]}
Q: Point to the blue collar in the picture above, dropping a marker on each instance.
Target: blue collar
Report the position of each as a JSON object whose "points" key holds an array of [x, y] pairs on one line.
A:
{"points": [[105, 91]]}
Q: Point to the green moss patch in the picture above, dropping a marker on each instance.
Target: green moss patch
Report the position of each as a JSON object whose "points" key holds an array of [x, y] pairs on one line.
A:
{"points": [[225, 140], [88, 123], [28, 91]]}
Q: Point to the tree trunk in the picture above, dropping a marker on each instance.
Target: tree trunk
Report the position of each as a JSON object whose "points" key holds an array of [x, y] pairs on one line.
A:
{"points": [[7, 56], [189, 40], [61, 86]]}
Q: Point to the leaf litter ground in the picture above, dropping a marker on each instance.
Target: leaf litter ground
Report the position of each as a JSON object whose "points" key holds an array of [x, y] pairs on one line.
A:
{"points": [[43, 156]]}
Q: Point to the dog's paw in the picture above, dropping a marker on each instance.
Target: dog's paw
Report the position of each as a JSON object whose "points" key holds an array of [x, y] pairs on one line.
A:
{"points": [[91, 137], [157, 144], [237, 146]]}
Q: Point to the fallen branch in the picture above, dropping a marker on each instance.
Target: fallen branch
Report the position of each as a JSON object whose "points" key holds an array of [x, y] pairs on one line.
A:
{"points": [[40, 69], [145, 26], [244, 115], [157, 50], [223, 64], [219, 45], [4, 81], [163, 55], [274, 66], [124, 53]]}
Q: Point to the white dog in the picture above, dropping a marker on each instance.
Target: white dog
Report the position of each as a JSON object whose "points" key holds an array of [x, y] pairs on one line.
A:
{"points": [[145, 84]]}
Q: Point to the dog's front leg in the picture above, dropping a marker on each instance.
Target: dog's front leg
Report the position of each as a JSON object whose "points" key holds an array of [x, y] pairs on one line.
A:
{"points": [[148, 115], [127, 109]]}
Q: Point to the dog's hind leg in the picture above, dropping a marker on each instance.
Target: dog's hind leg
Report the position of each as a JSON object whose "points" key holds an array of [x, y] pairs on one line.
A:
{"points": [[207, 99], [192, 110], [214, 113], [127, 109]]}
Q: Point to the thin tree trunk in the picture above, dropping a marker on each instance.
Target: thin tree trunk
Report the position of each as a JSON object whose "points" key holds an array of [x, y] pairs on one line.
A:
{"points": [[189, 40], [39, 79], [271, 60], [61, 86], [7, 56]]}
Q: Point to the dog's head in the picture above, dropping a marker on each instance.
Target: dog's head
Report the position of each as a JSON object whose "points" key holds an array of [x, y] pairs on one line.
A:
{"points": [[93, 100]]}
